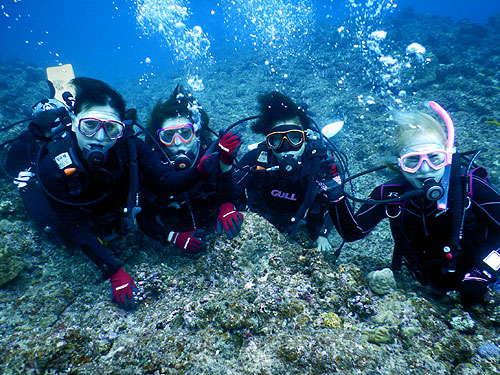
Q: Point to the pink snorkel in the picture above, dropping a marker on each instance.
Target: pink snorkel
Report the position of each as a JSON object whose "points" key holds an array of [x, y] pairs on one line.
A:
{"points": [[442, 203], [450, 143]]}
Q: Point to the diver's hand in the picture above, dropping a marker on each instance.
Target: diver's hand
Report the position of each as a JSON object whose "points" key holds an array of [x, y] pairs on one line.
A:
{"points": [[23, 178], [189, 242], [330, 181], [323, 244], [474, 286], [228, 147], [123, 289], [229, 220], [47, 111], [208, 164]]}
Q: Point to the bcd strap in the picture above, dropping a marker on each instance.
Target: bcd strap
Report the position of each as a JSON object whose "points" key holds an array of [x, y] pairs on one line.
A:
{"points": [[133, 207], [310, 170], [458, 196]]}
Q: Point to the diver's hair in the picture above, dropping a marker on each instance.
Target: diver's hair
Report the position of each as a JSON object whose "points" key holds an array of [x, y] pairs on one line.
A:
{"points": [[410, 124], [92, 92], [275, 107], [181, 103]]}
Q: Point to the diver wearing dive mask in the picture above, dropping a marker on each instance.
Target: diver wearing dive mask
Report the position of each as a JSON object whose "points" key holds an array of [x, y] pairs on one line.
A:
{"points": [[185, 141], [282, 189], [97, 128], [427, 222], [287, 142], [182, 144]]}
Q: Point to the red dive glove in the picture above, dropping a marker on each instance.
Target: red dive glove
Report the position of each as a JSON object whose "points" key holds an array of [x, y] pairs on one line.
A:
{"points": [[330, 181], [209, 162], [229, 220], [123, 289], [228, 147], [189, 242]]}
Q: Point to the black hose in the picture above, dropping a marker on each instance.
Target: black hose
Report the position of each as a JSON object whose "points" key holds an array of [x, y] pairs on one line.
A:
{"points": [[57, 199], [239, 122], [158, 145]]}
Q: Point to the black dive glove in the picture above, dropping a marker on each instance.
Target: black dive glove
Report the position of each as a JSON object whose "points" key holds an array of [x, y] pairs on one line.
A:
{"points": [[474, 286], [330, 182], [49, 111], [47, 114]]}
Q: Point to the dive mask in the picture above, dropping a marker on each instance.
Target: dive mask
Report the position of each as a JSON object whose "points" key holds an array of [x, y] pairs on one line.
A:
{"points": [[184, 133]]}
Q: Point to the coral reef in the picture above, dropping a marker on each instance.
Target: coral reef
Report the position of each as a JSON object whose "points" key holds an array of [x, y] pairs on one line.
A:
{"points": [[257, 304]]}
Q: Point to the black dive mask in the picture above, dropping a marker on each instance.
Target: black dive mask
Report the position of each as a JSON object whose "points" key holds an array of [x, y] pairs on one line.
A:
{"points": [[95, 156]]}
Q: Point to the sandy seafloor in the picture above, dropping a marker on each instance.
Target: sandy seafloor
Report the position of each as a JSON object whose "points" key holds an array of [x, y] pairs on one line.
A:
{"points": [[261, 303]]}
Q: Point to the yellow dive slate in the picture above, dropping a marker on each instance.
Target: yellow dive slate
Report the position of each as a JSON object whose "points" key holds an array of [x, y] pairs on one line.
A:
{"points": [[60, 76]]}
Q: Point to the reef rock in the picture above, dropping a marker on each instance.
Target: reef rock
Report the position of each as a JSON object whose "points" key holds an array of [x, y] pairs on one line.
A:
{"points": [[10, 265], [382, 281]]}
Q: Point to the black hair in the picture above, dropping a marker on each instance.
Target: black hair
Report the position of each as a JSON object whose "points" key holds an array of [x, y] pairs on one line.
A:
{"points": [[181, 103], [275, 107], [92, 92]]}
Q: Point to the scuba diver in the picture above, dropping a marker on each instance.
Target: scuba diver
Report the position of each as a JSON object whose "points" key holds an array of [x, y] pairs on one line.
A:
{"points": [[280, 176], [181, 126], [90, 169], [444, 215]]}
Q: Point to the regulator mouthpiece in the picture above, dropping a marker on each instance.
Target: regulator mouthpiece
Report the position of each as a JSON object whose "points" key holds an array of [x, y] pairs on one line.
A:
{"points": [[95, 156], [433, 190]]}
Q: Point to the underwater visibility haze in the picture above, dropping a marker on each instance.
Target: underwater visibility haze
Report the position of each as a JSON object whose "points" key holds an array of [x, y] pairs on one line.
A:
{"points": [[260, 303]]}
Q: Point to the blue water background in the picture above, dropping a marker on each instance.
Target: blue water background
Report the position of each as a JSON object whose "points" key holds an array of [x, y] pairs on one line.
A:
{"points": [[102, 39]]}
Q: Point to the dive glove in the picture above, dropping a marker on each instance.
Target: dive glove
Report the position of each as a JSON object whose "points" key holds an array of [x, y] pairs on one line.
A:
{"points": [[330, 182], [229, 220], [208, 163], [323, 244], [23, 178], [228, 146], [123, 289], [474, 286], [189, 242]]}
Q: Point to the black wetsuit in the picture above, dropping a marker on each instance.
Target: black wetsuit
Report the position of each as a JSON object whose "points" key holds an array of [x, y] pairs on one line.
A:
{"points": [[421, 231], [84, 224], [21, 156], [194, 208], [279, 198]]}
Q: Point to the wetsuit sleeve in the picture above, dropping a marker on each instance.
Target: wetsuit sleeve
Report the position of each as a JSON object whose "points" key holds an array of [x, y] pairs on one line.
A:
{"points": [[242, 178], [353, 227], [21, 154], [487, 201], [327, 226], [227, 188], [74, 221], [486, 205], [158, 177]]}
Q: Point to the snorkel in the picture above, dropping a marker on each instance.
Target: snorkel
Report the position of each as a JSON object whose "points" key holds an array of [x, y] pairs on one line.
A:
{"points": [[442, 203]]}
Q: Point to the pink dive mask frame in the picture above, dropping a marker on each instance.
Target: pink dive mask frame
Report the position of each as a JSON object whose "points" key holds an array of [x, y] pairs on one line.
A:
{"points": [[424, 155]]}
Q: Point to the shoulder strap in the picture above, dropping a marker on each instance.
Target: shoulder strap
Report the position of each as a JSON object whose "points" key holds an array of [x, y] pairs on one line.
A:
{"points": [[310, 171], [133, 207], [458, 197]]}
